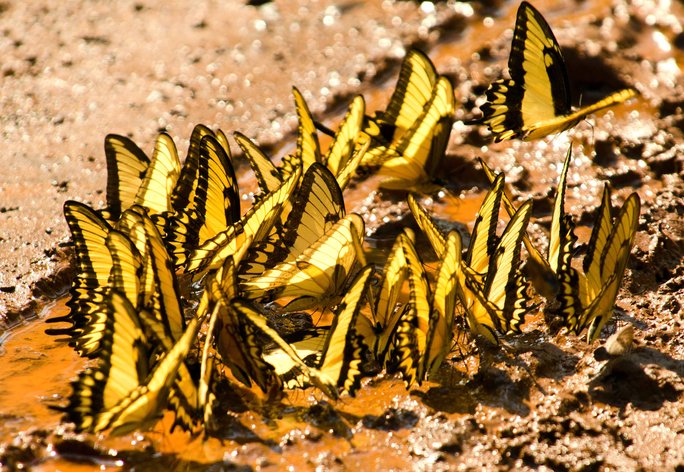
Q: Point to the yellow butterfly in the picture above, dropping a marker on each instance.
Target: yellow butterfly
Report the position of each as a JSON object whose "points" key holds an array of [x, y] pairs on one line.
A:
{"points": [[254, 225], [535, 101], [132, 178], [346, 150], [414, 89], [587, 298], [408, 140], [338, 364], [122, 392], [318, 274], [490, 286], [213, 199]]}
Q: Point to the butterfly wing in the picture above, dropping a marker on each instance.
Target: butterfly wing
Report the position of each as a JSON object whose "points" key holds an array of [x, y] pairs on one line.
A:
{"points": [[317, 274], [429, 228], [505, 287], [256, 224], [88, 289], [541, 275], [414, 89], [215, 204], [483, 240], [444, 306], [344, 143], [422, 147], [267, 174], [126, 168], [345, 351], [308, 148], [160, 179], [614, 258], [414, 326]]}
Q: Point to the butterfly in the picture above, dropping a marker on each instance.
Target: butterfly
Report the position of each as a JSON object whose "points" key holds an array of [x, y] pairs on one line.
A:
{"points": [[94, 262], [338, 365], [379, 328], [255, 224], [538, 270], [423, 333], [213, 201], [409, 139], [140, 269], [237, 343], [535, 101], [133, 178], [188, 180], [490, 287], [127, 258], [344, 153], [162, 317], [587, 298], [317, 206], [417, 79], [122, 392], [421, 148], [318, 274], [268, 176]]}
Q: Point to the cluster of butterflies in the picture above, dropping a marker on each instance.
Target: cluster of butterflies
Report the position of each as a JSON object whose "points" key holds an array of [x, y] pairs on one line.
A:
{"points": [[171, 234]]}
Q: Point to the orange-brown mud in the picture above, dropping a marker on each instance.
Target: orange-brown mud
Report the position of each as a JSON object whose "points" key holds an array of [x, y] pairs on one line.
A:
{"points": [[547, 400]]}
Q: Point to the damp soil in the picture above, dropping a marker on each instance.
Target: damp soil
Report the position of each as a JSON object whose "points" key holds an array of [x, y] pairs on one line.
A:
{"points": [[547, 399]]}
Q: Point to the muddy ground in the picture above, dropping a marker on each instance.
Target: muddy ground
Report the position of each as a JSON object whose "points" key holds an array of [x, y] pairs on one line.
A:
{"points": [[74, 71]]}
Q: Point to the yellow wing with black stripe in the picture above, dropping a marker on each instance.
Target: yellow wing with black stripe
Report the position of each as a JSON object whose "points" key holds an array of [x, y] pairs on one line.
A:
{"points": [[269, 177], [184, 192], [156, 190], [415, 326], [345, 351], [587, 298], [318, 205], [337, 363], [121, 393], [318, 274], [483, 240], [384, 310], [89, 232], [598, 301], [214, 206], [427, 226], [126, 168], [344, 145], [255, 225], [308, 147], [134, 179], [414, 89], [496, 300], [538, 270], [505, 287], [421, 147], [536, 100], [444, 301]]}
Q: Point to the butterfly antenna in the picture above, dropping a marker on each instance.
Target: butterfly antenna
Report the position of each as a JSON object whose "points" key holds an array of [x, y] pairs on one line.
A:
{"points": [[324, 129]]}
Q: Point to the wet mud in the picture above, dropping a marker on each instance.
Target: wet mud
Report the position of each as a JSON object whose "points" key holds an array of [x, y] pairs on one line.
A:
{"points": [[545, 399]]}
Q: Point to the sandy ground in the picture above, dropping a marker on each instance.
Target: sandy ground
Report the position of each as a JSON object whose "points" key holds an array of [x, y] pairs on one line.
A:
{"points": [[73, 71], [549, 401]]}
